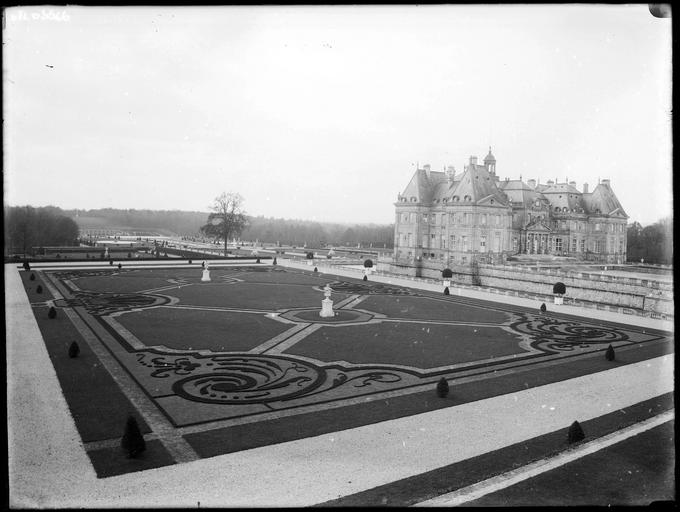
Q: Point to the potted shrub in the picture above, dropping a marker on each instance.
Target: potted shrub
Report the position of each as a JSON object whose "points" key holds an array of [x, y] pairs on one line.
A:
{"points": [[559, 289], [447, 274], [310, 258]]}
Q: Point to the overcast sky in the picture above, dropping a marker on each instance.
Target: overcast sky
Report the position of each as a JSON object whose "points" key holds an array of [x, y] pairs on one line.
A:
{"points": [[322, 113]]}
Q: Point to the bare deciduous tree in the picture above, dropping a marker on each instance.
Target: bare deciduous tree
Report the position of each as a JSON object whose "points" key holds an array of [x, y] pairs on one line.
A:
{"points": [[227, 217]]}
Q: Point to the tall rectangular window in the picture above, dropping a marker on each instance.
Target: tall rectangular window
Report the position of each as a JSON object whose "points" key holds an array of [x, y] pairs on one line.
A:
{"points": [[583, 245], [453, 241], [482, 243], [483, 219], [465, 243], [573, 245], [558, 244]]}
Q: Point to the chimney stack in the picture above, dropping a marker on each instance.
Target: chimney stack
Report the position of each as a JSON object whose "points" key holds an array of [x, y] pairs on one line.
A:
{"points": [[551, 182], [473, 160], [585, 188], [531, 183], [572, 183], [605, 182], [451, 172], [426, 167]]}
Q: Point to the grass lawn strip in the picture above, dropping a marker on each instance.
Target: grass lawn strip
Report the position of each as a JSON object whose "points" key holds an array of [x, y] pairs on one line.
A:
{"points": [[637, 471], [428, 485], [97, 404]]}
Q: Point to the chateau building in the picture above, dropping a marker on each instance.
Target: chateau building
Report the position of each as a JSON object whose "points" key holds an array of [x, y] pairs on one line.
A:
{"points": [[475, 216]]}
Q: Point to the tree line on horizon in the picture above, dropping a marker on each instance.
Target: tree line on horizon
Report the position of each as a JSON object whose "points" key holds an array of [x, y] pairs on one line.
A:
{"points": [[27, 226], [264, 229]]}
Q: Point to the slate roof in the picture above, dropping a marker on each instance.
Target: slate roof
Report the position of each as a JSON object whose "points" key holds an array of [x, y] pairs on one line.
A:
{"points": [[604, 200], [480, 185]]}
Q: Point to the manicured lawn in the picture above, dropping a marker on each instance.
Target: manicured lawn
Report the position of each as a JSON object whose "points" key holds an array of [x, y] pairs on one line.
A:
{"points": [[409, 344], [201, 330], [424, 308], [97, 404], [637, 471], [264, 296]]}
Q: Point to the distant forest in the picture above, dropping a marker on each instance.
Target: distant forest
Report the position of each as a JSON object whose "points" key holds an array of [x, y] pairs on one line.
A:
{"points": [[653, 243], [26, 227], [267, 230]]}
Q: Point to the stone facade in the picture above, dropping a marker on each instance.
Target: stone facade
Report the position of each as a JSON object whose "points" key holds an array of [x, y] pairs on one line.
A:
{"points": [[476, 217]]}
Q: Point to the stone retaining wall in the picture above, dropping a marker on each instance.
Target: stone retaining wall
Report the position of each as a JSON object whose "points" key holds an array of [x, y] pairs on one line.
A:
{"points": [[604, 291]]}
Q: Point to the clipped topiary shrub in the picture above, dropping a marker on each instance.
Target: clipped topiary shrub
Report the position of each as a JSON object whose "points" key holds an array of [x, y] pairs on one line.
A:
{"points": [[274, 262], [38, 289], [52, 313], [32, 278], [447, 273], [120, 265], [575, 433], [365, 278], [129, 255], [133, 441], [368, 263], [257, 260], [316, 269], [26, 266], [442, 388], [446, 291], [559, 288], [189, 262], [609, 354], [310, 255], [111, 262], [543, 308], [73, 350]]}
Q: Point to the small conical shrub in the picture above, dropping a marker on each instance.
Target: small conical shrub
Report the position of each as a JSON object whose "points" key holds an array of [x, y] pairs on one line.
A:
{"points": [[575, 433], [38, 289], [365, 278], [274, 262], [52, 313], [442, 388], [26, 266], [316, 269], [73, 350], [120, 265], [543, 308], [32, 278], [609, 354], [133, 440], [110, 262], [446, 291], [257, 260], [190, 262], [129, 255]]}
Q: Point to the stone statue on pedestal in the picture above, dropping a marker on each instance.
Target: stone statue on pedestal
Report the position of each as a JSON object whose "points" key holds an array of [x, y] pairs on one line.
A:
{"points": [[327, 303]]}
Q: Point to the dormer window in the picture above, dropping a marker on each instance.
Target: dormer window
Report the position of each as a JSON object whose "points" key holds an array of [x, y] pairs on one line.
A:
{"points": [[467, 198]]}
